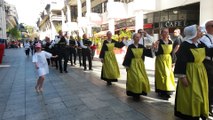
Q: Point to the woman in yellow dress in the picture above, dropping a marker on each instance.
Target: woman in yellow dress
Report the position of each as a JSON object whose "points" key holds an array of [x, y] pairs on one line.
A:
{"points": [[164, 76], [137, 80], [191, 101], [110, 70]]}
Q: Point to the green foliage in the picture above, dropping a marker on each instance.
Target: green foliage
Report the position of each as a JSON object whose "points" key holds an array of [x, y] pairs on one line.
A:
{"points": [[58, 27], [15, 33], [30, 29], [125, 33]]}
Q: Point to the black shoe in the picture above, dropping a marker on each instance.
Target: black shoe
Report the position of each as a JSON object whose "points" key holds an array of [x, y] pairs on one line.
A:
{"points": [[90, 69], [66, 71], [85, 69], [61, 72], [210, 113], [136, 98], [109, 83]]}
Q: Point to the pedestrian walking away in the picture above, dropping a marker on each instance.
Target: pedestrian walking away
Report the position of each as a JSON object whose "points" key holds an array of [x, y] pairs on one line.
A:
{"points": [[39, 59]]}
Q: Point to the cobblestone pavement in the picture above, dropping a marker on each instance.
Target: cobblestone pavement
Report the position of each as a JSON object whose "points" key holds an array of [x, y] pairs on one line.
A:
{"points": [[76, 95]]}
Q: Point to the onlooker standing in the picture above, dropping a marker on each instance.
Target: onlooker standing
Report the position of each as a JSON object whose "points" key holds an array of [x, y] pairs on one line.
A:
{"points": [[86, 51], [144, 38], [164, 77], [27, 47], [177, 40], [208, 62], [191, 101], [39, 58], [110, 71], [137, 80]]}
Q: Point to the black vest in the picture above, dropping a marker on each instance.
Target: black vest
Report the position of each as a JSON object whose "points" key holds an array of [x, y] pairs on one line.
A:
{"points": [[62, 43], [87, 42]]}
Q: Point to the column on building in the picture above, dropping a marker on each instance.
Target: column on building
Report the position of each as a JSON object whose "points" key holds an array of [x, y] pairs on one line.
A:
{"points": [[2, 21], [53, 30], [79, 6], [111, 22], [68, 14], [139, 22], [206, 11], [88, 14], [64, 27]]}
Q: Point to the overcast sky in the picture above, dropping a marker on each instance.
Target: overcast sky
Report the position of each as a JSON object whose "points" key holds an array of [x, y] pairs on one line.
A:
{"points": [[28, 10]]}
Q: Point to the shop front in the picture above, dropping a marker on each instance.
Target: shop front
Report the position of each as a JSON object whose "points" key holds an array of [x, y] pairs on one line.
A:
{"points": [[125, 24], [173, 18]]}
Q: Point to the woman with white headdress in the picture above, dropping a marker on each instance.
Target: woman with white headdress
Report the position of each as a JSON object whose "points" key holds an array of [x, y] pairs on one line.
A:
{"points": [[191, 100]]}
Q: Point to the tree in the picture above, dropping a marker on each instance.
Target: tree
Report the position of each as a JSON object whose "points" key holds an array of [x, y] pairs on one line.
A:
{"points": [[58, 27], [14, 33], [31, 31]]}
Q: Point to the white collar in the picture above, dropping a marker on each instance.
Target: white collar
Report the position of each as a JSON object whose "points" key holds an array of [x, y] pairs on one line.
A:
{"points": [[109, 40], [210, 35], [190, 41]]}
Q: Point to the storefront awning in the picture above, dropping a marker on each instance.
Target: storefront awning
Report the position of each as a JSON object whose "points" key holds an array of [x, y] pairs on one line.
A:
{"points": [[101, 33], [130, 28]]}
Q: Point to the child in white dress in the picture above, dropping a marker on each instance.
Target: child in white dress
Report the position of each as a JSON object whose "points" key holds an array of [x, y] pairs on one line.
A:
{"points": [[39, 58]]}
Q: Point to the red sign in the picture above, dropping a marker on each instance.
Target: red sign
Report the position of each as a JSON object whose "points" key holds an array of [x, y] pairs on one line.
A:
{"points": [[146, 26]]}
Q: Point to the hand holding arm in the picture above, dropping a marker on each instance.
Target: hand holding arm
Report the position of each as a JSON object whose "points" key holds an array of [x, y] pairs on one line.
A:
{"points": [[184, 81]]}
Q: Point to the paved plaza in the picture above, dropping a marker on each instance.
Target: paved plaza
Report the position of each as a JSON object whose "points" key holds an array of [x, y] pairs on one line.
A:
{"points": [[76, 95]]}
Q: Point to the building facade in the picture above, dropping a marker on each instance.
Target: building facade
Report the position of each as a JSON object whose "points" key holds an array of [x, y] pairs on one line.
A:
{"points": [[11, 16], [51, 19], [87, 16], [153, 15], [2, 20]]}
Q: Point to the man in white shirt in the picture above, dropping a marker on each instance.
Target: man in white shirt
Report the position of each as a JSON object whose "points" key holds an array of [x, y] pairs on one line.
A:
{"points": [[145, 38], [208, 62]]}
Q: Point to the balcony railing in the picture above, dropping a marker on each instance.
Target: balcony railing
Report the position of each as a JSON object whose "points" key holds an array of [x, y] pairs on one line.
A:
{"points": [[56, 17]]}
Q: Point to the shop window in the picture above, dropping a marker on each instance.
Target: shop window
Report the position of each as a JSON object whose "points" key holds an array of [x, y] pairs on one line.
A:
{"points": [[157, 17], [73, 13], [83, 4], [172, 16], [150, 18], [164, 16], [105, 6], [97, 8], [145, 21]]}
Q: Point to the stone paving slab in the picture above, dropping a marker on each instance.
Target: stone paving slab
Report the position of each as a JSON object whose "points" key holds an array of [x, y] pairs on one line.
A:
{"points": [[77, 95]]}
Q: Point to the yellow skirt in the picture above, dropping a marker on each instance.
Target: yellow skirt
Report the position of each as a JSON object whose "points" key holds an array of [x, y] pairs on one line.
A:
{"points": [[110, 69], [164, 76], [193, 100], [137, 79]]}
